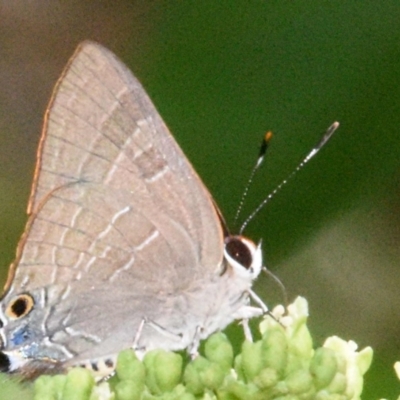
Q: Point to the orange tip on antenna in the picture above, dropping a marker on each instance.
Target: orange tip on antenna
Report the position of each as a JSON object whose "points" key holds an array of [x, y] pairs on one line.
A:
{"points": [[268, 136], [263, 148]]}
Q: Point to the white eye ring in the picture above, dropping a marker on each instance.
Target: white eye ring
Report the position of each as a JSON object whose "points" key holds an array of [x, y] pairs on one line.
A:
{"points": [[246, 265]]}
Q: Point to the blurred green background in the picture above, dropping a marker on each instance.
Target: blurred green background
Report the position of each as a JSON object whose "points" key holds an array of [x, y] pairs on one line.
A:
{"points": [[221, 74]]}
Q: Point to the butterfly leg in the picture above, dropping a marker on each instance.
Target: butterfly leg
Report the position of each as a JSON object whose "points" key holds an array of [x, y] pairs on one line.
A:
{"points": [[193, 348], [261, 304], [247, 312], [160, 329], [258, 301], [135, 345], [246, 330]]}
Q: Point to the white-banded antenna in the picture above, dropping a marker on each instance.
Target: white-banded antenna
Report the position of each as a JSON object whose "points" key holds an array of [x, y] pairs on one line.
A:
{"points": [[322, 142], [263, 149]]}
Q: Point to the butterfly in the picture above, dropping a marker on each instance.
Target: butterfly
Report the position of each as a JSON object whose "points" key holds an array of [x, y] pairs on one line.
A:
{"points": [[124, 246]]}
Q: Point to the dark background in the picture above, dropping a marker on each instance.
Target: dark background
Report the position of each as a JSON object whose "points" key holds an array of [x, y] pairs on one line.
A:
{"points": [[221, 74]]}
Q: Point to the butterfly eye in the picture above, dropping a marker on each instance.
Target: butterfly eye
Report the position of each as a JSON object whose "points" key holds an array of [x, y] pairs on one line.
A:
{"points": [[20, 306], [239, 251]]}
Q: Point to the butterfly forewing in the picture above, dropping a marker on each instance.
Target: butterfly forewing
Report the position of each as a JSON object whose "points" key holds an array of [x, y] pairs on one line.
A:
{"points": [[101, 128]]}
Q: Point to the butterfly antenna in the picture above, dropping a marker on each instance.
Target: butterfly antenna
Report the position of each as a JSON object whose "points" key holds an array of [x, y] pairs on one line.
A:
{"points": [[327, 135], [263, 149]]}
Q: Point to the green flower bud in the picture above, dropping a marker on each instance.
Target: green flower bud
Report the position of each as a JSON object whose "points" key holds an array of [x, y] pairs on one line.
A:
{"points": [[299, 382], [236, 390], [338, 384], [323, 367], [351, 365], [300, 346], [11, 387], [181, 394], [130, 367], [202, 375], [268, 377], [274, 349], [49, 387], [192, 375], [163, 370], [79, 384], [219, 350], [251, 360], [128, 390]]}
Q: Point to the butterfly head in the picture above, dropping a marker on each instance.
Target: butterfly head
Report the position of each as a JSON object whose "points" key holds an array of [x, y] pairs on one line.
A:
{"points": [[244, 256]]}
